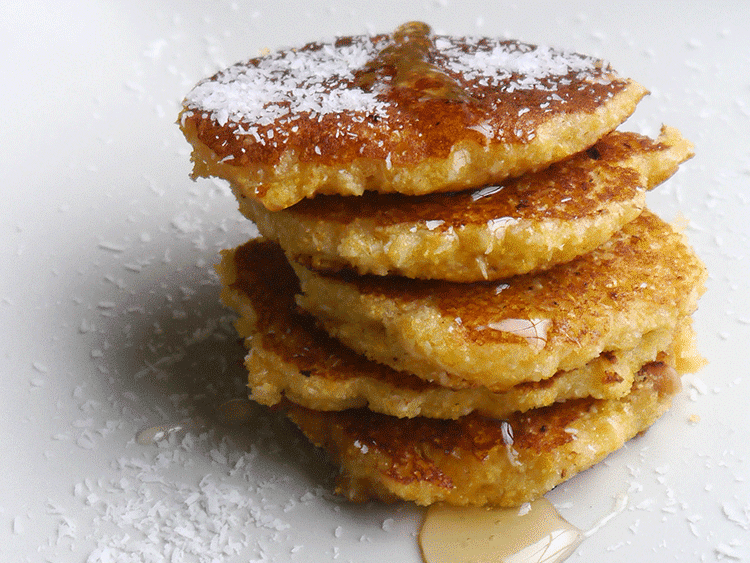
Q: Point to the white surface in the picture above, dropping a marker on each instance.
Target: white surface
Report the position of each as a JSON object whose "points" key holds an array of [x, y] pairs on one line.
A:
{"points": [[109, 319]]}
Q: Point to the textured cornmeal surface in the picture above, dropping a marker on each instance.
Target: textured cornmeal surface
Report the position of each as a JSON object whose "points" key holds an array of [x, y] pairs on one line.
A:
{"points": [[525, 328], [476, 460], [290, 357], [297, 122], [524, 224]]}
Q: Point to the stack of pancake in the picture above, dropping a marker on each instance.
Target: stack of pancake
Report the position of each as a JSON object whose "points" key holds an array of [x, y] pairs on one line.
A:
{"points": [[459, 292]]}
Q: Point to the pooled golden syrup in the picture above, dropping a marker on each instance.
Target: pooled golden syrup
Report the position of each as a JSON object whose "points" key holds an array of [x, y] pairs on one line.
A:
{"points": [[406, 63], [533, 533]]}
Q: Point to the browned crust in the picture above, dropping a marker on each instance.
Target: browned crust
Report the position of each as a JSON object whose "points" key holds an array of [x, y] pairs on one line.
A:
{"points": [[646, 277], [476, 460], [524, 224], [289, 356], [409, 145]]}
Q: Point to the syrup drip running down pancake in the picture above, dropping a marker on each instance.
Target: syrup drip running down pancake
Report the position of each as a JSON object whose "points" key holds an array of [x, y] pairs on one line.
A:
{"points": [[354, 114], [524, 224]]}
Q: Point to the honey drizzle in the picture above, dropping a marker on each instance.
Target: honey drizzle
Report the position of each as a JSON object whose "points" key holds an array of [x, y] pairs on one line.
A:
{"points": [[405, 65], [534, 533]]}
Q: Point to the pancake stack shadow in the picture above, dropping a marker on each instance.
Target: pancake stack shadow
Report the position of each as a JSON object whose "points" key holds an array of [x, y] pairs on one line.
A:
{"points": [[464, 300]]}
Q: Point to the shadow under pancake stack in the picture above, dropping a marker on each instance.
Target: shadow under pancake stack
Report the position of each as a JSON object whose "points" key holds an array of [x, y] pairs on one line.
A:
{"points": [[459, 294]]}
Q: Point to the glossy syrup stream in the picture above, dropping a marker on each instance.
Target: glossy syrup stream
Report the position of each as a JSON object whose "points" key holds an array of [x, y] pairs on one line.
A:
{"points": [[405, 64], [533, 533]]}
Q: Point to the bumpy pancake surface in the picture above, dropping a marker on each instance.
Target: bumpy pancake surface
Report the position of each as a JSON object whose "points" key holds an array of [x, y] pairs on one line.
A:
{"points": [[289, 356], [524, 224], [525, 328], [476, 460], [409, 112]]}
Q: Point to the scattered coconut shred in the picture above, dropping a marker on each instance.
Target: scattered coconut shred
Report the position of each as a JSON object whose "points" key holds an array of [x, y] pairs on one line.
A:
{"points": [[164, 520], [200, 493], [276, 89], [189, 492], [146, 510]]}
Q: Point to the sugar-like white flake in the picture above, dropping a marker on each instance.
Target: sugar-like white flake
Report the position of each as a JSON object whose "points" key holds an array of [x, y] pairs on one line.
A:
{"points": [[739, 516], [317, 80], [501, 287], [726, 551], [112, 247], [484, 192], [18, 527], [699, 386], [498, 225]]}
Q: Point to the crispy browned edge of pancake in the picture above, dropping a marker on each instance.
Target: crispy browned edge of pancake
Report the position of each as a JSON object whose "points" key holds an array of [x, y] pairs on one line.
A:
{"points": [[424, 158], [413, 325], [476, 460], [293, 357], [453, 236]]}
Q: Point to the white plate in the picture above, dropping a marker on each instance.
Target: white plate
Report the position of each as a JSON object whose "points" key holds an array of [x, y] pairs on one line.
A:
{"points": [[109, 314]]}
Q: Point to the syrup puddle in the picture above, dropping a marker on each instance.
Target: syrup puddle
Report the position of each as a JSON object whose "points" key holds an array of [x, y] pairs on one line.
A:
{"points": [[230, 413], [533, 533]]}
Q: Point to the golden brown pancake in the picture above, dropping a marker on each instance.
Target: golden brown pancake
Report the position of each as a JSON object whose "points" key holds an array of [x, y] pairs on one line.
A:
{"points": [[524, 328], [411, 112], [477, 460], [524, 224], [289, 356]]}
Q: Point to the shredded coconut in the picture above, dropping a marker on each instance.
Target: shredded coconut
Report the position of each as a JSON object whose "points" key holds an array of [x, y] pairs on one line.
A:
{"points": [[260, 97], [533, 330]]}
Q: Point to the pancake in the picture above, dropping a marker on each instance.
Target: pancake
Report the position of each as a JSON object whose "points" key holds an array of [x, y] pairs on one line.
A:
{"points": [[525, 328], [290, 357], [411, 113], [477, 460], [524, 224]]}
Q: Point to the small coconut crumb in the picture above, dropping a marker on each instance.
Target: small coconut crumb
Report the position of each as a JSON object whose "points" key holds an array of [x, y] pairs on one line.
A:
{"points": [[501, 287], [18, 527], [646, 504], [739, 516], [497, 226], [727, 551], [484, 192], [112, 247]]}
